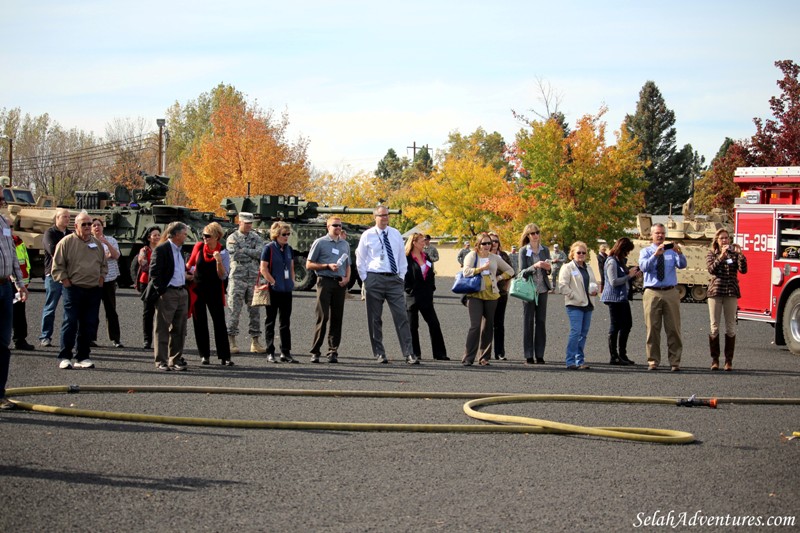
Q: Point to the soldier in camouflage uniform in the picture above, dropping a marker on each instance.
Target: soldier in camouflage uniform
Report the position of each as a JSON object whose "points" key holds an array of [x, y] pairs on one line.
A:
{"points": [[245, 246]]}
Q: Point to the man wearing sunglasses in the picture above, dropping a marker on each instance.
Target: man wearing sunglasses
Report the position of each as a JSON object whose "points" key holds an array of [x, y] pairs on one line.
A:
{"points": [[329, 257], [80, 265]]}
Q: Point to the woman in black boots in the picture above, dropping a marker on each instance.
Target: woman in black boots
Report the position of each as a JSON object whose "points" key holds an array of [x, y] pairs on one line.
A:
{"points": [[615, 296], [725, 261]]}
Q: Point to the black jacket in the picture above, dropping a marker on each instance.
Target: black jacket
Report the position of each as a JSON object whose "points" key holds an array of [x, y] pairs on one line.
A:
{"points": [[419, 290], [162, 267]]}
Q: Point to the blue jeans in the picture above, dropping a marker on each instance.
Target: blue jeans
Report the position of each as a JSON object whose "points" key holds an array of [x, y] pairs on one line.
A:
{"points": [[579, 321], [81, 315], [7, 291], [53, 291]]}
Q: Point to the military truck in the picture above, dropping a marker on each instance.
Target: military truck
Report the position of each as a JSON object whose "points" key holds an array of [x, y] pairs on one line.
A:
{"points": [[126, 214], [308, 224], [694, 233]]}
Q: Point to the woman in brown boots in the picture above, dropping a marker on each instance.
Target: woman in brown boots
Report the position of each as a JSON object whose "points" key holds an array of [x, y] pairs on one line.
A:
{"points": [[725, 260]]}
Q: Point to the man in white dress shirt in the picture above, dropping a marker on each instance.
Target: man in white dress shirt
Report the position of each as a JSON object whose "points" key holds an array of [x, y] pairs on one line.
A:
{"points": [[382, 265]]}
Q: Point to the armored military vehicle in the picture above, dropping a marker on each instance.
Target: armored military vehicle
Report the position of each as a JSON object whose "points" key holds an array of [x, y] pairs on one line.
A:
{"points": [[308, 224], [694, 233], [126, 214]]}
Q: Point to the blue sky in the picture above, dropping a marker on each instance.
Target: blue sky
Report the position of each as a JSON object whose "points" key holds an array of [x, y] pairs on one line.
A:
{"points": [[359, 77]]}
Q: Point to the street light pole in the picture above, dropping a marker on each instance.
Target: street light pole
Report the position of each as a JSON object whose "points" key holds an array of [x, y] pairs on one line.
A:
{"points": [[160, 122], [10, 158]]}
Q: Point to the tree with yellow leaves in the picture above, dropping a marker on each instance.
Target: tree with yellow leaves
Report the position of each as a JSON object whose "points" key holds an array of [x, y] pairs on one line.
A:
{"points": [[243, 147], [452, 198]]}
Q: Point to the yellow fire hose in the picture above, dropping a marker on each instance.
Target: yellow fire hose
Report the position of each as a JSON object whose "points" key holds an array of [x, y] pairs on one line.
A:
{"points": [[501, 423]]}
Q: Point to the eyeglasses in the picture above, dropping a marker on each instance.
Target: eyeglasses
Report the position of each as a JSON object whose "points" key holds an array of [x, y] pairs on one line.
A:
{"points": [[386, 215], [206, 236], [85, 224], [486, 244], [285, 234], [534, 233], [580, 253], [336, 225]]}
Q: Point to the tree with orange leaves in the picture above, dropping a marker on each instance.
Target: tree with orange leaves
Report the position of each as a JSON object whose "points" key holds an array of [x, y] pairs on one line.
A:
{"points": [[243, 147], [576, 187]]}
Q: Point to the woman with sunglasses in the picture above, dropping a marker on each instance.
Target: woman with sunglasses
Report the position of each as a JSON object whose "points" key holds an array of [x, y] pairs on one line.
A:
{"points": [[210, 263], [577, 283], [277, 267], [482, 305], [534, 263], [502, 302], [420, 283]]}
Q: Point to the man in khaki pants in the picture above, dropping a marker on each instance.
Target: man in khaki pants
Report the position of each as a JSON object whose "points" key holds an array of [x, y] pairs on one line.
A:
{"points": [[659, 263], [168, 276]]}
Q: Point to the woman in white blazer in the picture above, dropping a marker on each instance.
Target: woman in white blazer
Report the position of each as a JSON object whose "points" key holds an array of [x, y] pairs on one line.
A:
{"points": [[577, 283]]}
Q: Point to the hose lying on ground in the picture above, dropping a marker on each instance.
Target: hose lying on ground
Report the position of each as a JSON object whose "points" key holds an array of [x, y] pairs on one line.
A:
{"points": [[501, 423]]}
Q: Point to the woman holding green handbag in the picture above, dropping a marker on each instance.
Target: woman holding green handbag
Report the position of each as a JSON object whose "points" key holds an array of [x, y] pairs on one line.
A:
{"points": [[534, 264]]}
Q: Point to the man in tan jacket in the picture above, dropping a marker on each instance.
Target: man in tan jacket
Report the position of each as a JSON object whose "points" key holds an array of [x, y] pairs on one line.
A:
{"points": [[79, 264]]}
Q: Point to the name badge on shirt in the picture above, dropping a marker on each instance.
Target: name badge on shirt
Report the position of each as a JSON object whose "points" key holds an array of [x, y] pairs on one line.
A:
{"points": [[335, 251], [576, 273], [729, 261], [286, 273], [92, 245], [530, 252], [429, 263], [6, 232]]}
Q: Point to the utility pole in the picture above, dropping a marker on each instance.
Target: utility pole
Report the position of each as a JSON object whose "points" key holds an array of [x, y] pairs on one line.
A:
{"points": [[10, 159], [414, 149], [161, 169]]}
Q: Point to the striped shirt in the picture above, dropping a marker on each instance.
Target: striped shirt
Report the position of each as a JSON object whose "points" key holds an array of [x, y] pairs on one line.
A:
{"points": [[9, 264]]}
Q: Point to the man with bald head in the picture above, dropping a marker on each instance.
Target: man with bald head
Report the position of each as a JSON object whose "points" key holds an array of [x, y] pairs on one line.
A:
{"points": [[52, 289], [79, 264]]}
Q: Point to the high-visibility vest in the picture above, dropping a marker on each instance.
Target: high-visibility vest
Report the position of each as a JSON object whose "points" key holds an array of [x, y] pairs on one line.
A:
{"points": [[24, 263]]}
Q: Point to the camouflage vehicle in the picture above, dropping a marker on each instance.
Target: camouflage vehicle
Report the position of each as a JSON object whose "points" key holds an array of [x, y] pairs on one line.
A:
{"points": [[308, 224], [126, 215], [694, 233]]}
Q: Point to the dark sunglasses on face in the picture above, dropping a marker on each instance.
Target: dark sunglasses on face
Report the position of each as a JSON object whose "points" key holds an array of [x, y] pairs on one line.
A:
{"points": [[85, 224], [580, 253], [534, 233], [486, 244], [336, 225], [206, 236], [285, 234]]}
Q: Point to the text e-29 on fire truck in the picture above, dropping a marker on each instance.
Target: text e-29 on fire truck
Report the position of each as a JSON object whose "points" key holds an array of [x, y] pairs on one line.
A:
{"points": [[767, 217]]}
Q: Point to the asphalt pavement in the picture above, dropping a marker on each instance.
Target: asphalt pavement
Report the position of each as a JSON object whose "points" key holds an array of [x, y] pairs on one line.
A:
{"points": [[65, 473]]}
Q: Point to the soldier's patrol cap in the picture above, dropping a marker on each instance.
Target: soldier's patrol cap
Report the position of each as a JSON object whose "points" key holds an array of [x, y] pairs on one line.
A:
{"points": [[247, 218]]}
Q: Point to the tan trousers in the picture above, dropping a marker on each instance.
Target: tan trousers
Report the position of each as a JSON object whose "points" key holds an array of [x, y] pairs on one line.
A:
{"points": [[663, 307], [171, 311], [718, 305]]}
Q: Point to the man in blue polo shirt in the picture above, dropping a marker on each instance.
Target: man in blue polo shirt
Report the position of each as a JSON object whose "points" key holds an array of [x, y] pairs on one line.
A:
{"points": [[330, 259], [662, 303]]}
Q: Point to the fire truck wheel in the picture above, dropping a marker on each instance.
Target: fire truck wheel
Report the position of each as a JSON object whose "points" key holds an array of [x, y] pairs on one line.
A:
{"points": [[682, 291], [791, 322]]}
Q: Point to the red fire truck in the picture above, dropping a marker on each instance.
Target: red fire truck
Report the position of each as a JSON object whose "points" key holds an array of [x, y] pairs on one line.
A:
{"points": [[767, 217]]}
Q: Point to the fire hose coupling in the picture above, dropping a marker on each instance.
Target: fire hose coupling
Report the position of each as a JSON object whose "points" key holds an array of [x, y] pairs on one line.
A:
{"points": [[694, 401], [73, 389]]}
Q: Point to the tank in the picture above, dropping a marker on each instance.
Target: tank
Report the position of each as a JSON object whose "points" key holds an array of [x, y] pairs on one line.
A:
{"points": [[308, 224], [694, 233], [126, 216]]}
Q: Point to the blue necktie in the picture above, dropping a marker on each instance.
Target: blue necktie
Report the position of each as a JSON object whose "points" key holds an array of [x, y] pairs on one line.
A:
{"points": [[389, 253]]}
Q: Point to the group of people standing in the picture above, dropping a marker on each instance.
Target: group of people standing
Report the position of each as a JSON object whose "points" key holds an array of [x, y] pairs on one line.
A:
{"points": [[576, 281]]}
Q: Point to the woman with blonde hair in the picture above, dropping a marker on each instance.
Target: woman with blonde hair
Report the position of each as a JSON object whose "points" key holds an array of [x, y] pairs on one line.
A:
{"points": [[577, 283], [420, 283], [534, 263], [482, 305], [277, 267], [210, 263], [725, 261]]}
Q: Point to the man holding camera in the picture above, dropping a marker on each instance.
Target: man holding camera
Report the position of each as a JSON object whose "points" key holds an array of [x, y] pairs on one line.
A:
{"points": [[662, 303]]}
